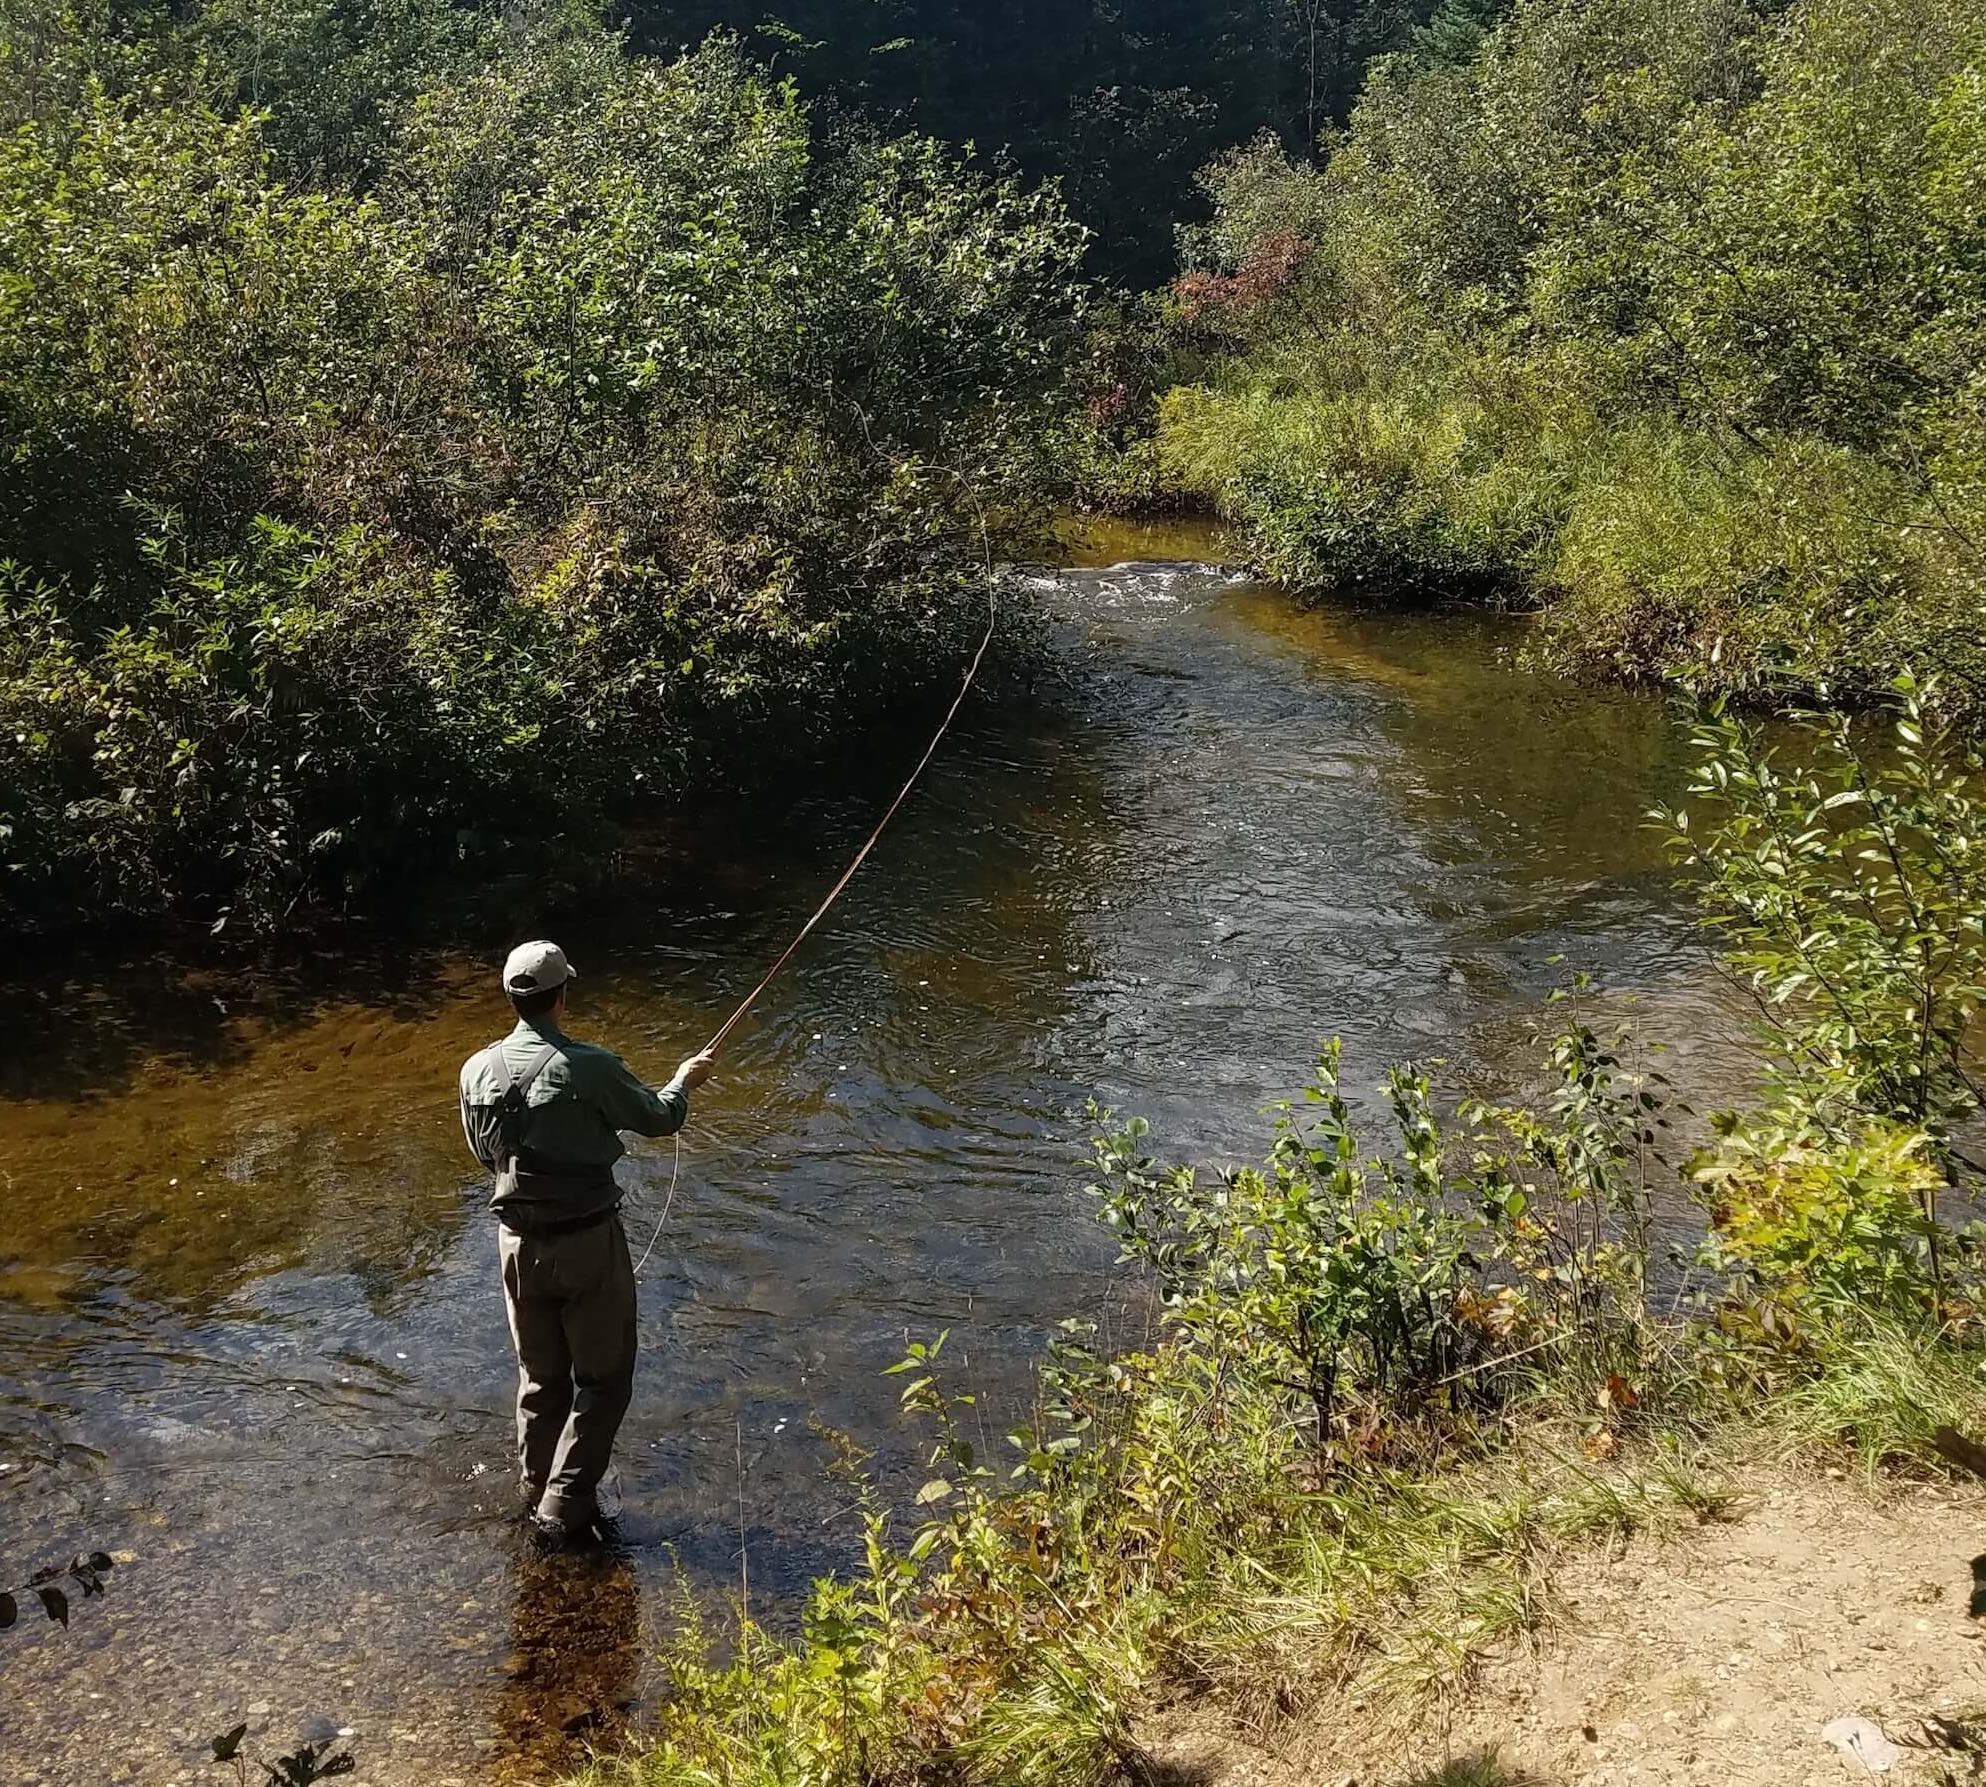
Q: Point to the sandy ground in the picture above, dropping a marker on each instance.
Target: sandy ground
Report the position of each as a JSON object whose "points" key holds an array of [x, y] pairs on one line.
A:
{"points": [[1714, 1656]]}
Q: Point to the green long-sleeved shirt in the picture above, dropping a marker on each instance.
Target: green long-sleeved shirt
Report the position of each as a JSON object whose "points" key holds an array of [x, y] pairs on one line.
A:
{"points": [[574, 1114]]}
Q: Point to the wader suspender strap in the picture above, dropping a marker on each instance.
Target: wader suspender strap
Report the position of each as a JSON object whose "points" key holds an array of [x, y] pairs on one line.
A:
{"points": [[510, 1126]]}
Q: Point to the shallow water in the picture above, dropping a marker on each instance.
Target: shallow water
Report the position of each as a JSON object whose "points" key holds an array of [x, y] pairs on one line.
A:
{"points": [[249, 1322]]}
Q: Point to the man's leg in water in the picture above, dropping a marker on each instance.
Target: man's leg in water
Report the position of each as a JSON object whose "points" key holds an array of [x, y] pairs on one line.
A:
{"points": [[596, 1280], [544, 1362]]}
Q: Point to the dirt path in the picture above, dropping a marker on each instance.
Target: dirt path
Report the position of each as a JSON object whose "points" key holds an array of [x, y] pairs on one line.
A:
{"points": [[1713, 1657]]}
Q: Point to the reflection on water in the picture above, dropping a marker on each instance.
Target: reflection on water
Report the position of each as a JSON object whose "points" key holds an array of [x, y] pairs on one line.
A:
{"points": [[249, 1324]]}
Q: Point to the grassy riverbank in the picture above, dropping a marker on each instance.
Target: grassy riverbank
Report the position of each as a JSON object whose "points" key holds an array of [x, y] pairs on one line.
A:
{"points": [[1665, 318], [1201, 1549], [1392, 1387], [1213, 1563]]}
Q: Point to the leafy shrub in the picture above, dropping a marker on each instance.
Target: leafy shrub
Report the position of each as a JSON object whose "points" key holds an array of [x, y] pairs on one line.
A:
{"points": [[1843, 873], [1377, 1288], [1849, 881], [1668, 313], [262, 721], [1817, 1223], [620, 423]]}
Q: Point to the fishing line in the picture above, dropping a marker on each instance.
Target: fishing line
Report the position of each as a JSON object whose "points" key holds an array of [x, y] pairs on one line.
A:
{"points": [[662, 1221], [847, 875], [861, 856]]}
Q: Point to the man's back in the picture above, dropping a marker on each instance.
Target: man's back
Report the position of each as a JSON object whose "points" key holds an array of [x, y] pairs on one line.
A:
{"points": [[565, 1138]]}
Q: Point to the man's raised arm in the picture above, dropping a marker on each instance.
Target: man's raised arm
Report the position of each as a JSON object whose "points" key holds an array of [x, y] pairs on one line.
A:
{"points": [[648, 1110]]}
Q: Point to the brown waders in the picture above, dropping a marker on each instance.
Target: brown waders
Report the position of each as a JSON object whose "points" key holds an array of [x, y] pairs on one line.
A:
{"points": [[570, 1295]]}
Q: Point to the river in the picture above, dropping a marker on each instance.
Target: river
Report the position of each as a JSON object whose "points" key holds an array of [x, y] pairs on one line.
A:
{"points": [[250, 1331]]}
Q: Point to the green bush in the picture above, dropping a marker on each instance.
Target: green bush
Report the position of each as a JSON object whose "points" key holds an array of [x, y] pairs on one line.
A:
{"points": [[1376, 1289], [1816, 1223], [1843, 875], [609, 419], [1849, 883], [263, 722], [1414, 489], [1669, 315]]}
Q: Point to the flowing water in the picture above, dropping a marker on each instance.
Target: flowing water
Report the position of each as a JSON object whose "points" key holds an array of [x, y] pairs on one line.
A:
{"points": [[250, 1330]]}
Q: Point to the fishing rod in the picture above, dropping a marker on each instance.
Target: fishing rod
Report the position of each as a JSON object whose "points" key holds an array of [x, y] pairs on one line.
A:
{"points": [[835, 892], [861, 856]]}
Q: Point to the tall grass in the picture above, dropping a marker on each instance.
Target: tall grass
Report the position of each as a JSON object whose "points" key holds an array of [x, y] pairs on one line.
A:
{"points": [[1649, 549]]}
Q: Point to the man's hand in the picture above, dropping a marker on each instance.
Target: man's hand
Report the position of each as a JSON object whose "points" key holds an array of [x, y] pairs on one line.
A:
{"points": [[696, 1070]]}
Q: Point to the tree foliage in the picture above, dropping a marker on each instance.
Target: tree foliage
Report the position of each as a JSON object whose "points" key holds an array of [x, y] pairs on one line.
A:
{"points": [[1670, 313], [581, 418], [1121, 103]]}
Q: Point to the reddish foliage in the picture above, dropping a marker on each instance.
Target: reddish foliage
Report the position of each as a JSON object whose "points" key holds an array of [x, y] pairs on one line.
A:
{"points": [[1230, 297], [1107, 408]]}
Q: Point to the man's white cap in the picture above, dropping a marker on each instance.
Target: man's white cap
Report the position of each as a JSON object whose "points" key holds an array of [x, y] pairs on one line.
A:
{"points": [[535, 968]]}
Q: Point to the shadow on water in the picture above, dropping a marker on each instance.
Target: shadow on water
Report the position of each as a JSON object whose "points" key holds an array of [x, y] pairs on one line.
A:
{"points": [[572, 1673], [249, 1326]]}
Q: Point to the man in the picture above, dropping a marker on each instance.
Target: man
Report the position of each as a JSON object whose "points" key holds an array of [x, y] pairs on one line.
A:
{"points": [[544, 1114]]}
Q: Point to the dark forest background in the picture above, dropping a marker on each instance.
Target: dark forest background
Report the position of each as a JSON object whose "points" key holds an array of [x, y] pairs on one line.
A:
{"points": [[1124, 103]]}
